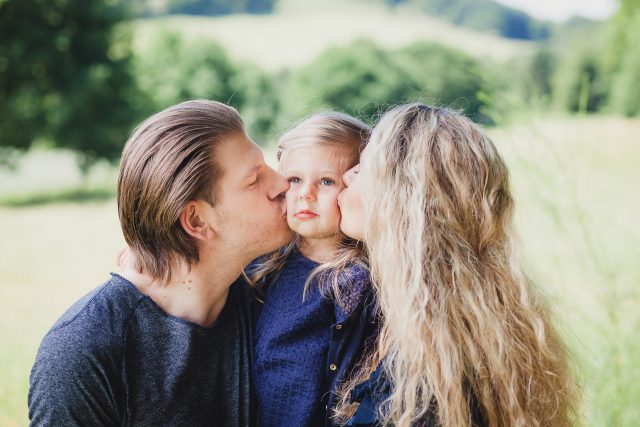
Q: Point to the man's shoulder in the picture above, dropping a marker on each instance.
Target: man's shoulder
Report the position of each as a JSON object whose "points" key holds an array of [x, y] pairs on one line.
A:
{"points": [[77, 371], [101, 314]]}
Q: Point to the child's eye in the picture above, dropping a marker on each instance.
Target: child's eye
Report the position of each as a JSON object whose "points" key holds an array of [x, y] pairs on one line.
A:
{"points": [[294, 180], [327, 181]]}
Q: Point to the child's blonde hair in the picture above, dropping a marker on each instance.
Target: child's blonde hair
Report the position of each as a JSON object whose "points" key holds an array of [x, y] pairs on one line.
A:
{"points": [[327, 129]]}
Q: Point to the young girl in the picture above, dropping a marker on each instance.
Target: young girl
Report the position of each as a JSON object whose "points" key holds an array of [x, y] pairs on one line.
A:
{"points": [[316, 313]]}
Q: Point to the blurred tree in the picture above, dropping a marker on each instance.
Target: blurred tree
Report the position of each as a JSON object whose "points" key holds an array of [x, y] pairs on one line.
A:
{"points": [[540, 70], [578, 84], [206, 7], [445, 76], [170, 70], [64, 76], [621, 59], [625, 91], [258, 101], [487, 15], [359, 79], [363, 80]]}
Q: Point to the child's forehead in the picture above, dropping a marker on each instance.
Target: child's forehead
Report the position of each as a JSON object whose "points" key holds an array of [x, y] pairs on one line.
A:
{"points": [[318, 155], [319, 150]]}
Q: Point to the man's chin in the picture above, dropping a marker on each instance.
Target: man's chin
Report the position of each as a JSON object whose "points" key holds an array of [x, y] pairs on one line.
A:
{"points": [[281, 238]]}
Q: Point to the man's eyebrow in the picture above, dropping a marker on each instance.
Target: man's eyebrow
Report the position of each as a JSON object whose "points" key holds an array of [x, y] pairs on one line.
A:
{"points": [[252, 171]]}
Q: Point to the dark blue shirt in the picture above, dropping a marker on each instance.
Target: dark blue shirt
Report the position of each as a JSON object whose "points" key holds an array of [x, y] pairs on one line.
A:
{"points": [[117, 359], [303, 349], [354, 330], [290, 345], [372, 393]]}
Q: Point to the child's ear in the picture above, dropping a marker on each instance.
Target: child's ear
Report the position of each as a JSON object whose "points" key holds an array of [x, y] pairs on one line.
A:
{"points": [[195, 222]]}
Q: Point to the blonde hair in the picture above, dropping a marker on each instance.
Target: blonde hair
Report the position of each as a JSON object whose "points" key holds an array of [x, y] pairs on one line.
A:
{"points": [[461, 325], [328, 129]]}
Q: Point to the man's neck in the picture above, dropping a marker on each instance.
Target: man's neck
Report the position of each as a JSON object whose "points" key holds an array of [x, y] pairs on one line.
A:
{"points": [[197, 294]]}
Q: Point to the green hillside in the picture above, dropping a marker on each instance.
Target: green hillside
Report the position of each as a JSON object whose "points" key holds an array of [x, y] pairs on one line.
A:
{"points": [[295, 34]]}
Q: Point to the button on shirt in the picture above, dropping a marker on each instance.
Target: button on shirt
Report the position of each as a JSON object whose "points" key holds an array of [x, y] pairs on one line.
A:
{"points": [[355, 328]]}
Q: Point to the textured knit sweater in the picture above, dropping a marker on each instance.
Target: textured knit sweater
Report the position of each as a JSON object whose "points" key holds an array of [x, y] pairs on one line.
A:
{"points": [[116, 359], [291, 342]]}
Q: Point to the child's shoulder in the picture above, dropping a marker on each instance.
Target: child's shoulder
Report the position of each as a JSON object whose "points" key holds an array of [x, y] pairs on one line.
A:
{"points": [[354, 274], [354, 285]]}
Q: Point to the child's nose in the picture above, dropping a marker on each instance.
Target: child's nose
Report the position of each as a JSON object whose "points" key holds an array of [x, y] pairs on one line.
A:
{"points": [[307, 192]]}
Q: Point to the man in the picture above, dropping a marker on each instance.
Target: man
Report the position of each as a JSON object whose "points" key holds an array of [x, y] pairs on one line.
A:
{"points": [[168, 342]]}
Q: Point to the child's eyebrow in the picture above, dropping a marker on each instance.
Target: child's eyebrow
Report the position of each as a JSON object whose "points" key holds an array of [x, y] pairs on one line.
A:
{"points": [[323, 172]]}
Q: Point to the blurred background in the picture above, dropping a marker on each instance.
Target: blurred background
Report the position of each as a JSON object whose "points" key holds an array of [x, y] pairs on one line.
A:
{"points": [[556, 83]]}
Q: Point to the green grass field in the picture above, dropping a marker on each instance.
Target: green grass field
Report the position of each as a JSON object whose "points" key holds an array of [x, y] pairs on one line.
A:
{"points": [[575, 180]]}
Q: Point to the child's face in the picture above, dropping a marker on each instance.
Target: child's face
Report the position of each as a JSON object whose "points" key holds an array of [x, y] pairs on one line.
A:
{"points": [[315, 177]]}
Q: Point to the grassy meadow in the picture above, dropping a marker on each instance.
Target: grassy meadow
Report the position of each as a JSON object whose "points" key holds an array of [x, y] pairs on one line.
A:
{"points": [[575, 180]]}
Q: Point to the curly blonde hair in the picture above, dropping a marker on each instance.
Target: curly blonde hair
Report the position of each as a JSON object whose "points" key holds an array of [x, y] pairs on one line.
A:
{"points": [[461, 324]]}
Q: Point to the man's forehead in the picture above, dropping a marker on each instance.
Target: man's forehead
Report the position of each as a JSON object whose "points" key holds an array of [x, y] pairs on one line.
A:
{"points": [[238, 155]]}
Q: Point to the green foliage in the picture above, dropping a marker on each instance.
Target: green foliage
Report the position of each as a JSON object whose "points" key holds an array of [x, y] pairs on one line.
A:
{"points": [[358, 79], [445, 76], [64, 76], [362, 79], [600, 70], [172, 70], [207, 7], [258, 101], [625, 93], [487, 15], [542, 67], [526, 84], [622, 58], [579, 84]]}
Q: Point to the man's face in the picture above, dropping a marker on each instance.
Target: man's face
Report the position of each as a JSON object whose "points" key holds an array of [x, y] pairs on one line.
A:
{"points": [[250, 209]]}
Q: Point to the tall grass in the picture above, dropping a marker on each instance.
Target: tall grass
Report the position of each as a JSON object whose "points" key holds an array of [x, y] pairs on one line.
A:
{"points": [[576, 184]]}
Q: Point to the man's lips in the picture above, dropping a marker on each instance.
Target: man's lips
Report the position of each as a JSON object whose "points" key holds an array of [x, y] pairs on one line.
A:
{"points": [[306, 214]]}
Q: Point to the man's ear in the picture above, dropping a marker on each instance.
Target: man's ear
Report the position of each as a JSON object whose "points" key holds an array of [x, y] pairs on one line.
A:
{"points": [[195, 222]]}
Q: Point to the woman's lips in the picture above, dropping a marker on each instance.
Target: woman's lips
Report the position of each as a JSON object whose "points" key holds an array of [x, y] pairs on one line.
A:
{"points": [[306, 214]]}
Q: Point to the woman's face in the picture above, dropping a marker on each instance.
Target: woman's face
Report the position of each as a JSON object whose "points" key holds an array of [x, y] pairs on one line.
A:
{"points": [[350, 202]]}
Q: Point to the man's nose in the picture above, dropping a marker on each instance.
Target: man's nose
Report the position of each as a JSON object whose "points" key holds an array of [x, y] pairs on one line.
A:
{"points": [[279, 185]]}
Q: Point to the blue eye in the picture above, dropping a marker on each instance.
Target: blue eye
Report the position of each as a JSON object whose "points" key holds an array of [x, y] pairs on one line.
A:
{"points": [[327, 181], [294, 180]]}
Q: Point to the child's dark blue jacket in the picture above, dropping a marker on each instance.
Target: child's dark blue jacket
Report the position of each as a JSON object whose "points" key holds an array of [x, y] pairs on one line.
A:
{"points": [[304, 348]]}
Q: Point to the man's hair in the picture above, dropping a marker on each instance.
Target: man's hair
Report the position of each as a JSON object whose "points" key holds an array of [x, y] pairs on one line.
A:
{"points": [[168, 161]]}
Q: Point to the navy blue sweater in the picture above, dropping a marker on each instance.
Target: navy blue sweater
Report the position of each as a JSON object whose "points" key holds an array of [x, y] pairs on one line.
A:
{"points": [[303, 348], [291, 343]]}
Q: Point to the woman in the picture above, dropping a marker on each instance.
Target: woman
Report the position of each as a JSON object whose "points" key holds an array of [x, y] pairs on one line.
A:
{"points": [[464, 340]]}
